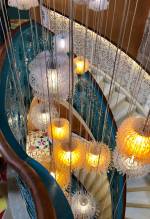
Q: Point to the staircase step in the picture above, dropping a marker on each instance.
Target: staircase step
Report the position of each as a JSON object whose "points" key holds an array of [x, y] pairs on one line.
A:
{"points": [[120, 111], [141, 182], [116, 98], [137, 213], [139, 197]]}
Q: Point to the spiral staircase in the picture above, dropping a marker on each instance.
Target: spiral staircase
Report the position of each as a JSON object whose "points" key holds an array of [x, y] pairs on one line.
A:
{"points": [[138, 190]]}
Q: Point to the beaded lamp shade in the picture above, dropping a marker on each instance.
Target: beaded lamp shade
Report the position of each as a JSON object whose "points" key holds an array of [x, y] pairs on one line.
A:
{"points": [[23, 4], [134, 140], [129, 166], [70, 156], [98, 157], [98, 5], [41, 114], [83, 205]]}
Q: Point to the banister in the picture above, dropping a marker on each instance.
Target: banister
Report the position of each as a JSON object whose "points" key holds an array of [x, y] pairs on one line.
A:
{"points": [[43, 204]]}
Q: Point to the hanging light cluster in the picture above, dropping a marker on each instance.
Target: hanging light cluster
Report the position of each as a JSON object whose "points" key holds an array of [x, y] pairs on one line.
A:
{"points": [[83, 205], [132, 155], [96, 5], [23, 4]]}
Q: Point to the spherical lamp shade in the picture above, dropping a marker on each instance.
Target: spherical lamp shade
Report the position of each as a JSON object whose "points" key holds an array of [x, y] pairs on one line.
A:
{"points": [[59, 130], [62, 177], [83, 205], [98, 157], [129, 166], [81, 65], [49, 83], [62, 43], [98, 5], [133, 140], [41, 114], [67, 156], [23, 4]]}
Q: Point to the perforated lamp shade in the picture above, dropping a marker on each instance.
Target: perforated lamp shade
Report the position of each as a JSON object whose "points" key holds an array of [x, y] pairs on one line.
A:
{"points": [[62, 177], [81, 65], [132, 140], [98, 157], [67, 156], [58, 130], [129, 166], [23, 4]]}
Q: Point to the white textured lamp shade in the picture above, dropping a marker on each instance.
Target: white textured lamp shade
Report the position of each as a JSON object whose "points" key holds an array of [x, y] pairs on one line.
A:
{"points": [[83, 205], [58, 130], [67, 156], [62, 43], [98, 157], [23, 4], [41, 114], [133, 140], [98, 5], [129, 166], [48, 83]]}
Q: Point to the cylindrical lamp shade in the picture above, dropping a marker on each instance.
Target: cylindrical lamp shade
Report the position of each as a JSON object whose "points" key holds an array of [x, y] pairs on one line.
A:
{"points": [[81, 65], [23, 4], [133, 140], [83, 205], [59, 130], [62, 43], [41, 114], [67, 156], [98, 157], [62, 177], [98, 5], [129, 166]]}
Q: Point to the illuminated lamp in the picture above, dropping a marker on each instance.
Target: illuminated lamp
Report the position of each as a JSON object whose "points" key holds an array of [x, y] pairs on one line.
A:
{"points": [[59, 130], [41, 114], [83, 205], [98, 157], [62, 43], [69, 156], [49, 83], [23, 4], [133, 139], [129, 166], [98, 5], [62, 177], [81, 65]]}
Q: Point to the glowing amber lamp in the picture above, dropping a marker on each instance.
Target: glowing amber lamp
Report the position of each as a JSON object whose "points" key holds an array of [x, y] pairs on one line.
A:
{"points": [[81, 65], [62, 177], [98, 157], [66, 156], [134, 140], [59, 129]]}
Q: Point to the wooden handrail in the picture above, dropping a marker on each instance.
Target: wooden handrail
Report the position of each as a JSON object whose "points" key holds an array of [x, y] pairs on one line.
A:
{"points": [[40, 195]]}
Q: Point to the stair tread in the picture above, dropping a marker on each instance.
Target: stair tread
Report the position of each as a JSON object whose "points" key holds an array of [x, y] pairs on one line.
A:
{"points": [[121, 110], [142, 197], [137, 213], [141, 182], [116, 98]]}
